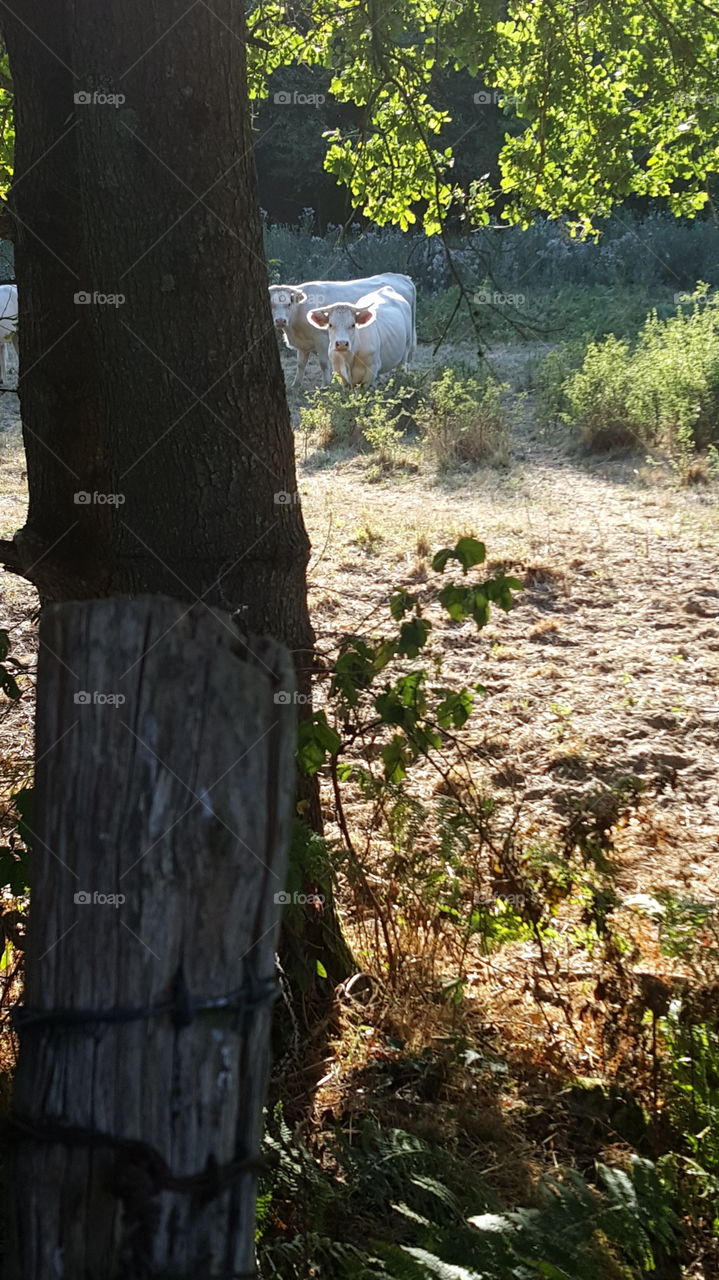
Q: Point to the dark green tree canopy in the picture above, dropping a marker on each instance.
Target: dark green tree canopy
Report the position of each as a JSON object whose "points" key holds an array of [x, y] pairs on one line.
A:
{"points": [[603, 101]]}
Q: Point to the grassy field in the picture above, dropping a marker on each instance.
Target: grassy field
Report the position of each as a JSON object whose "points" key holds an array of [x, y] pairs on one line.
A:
{"points": [[599, 714]]}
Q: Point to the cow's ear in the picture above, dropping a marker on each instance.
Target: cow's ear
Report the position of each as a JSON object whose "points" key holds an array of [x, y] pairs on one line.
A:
{"points": [[364, 317], [298, 296], [319, 319]]}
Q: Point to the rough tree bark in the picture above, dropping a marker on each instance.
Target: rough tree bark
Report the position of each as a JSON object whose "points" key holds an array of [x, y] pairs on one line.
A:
{"points": [[135, 178], [173, 400], [162, 830]]}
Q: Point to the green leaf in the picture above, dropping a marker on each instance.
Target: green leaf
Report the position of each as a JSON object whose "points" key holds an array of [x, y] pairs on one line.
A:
{"points": [[468, 551], [14, 872], [384, 653], [413, 637], [354, 670], [395, 759], [9, 685], [401, 603], [316, 742], [455, 709], [458, 601], [321, 971]]}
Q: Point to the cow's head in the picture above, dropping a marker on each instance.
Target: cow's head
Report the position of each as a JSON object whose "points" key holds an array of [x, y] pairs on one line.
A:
{"points": [[283, 301], [340, 322]]}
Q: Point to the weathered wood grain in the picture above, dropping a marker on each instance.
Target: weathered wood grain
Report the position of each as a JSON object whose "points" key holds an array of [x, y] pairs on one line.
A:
{"points": [[179, 799]]}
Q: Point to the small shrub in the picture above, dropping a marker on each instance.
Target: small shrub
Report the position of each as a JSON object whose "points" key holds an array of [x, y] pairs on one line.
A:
{"points": [[387, 1203], [551, 379], [333, 418], [598, 398], [404, 392], [379, 416], [662, 390], [463, 421], [382, 436], [677, 375]]}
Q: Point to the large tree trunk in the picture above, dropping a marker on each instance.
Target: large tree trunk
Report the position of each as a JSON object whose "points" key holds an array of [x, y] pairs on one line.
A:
{"points": [[166, 412], [171, 402]]}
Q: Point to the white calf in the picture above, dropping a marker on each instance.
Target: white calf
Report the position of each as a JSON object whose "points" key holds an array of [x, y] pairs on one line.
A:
{"points": [[291, 305], [369, 338]]}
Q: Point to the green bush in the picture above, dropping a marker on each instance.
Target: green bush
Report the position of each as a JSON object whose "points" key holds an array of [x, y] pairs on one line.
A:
{"points": [[559, 312], [551, 379], [332, 418], [662, 390], [598, 398], [677, 372], [463, 421], [692, 1064], [380, 416]]}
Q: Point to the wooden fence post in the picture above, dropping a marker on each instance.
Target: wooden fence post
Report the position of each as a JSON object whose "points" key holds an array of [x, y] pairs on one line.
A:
{"points": [[164, 798]]}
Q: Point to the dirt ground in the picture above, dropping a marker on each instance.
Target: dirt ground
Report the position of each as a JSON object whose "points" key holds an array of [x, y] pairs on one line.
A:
{"points": [[607, 666]]}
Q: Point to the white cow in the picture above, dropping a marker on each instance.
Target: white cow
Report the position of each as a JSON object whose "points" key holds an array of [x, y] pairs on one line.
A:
{"points": [[291, 303], [367, 338], [8, 326]]}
